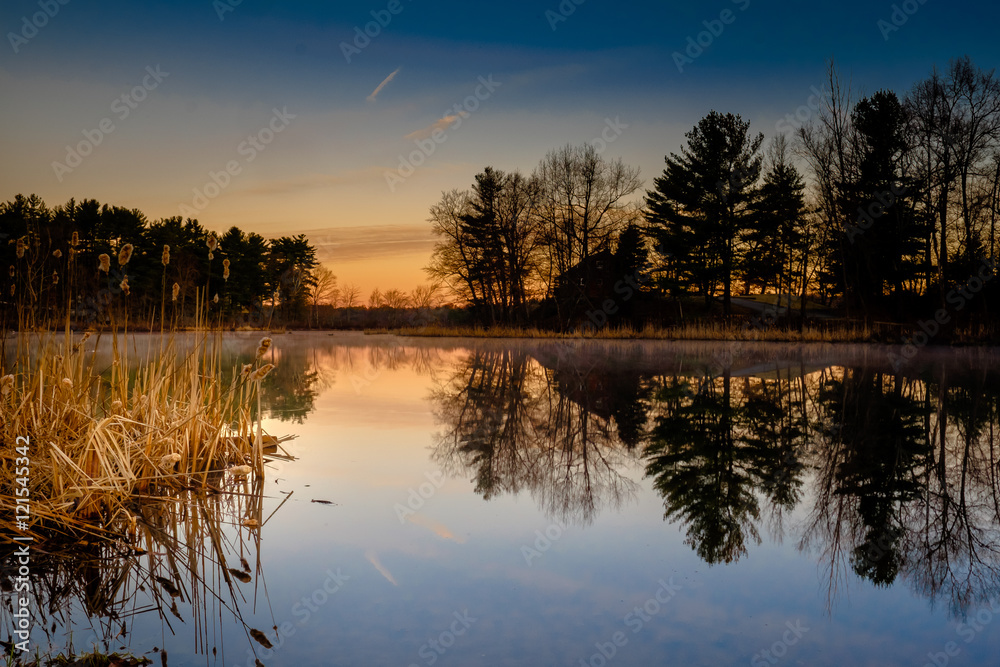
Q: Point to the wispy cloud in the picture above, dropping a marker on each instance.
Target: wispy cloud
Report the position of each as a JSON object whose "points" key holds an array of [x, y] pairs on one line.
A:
{"points": [[439, 124], [385, 82], [373, 559]]}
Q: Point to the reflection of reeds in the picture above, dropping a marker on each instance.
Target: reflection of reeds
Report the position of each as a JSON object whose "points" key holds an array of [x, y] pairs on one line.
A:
{"points": [[178, 558]]}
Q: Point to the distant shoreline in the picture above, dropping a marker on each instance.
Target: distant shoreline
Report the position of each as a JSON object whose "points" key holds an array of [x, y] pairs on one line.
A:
{"points": [[831, 331]]}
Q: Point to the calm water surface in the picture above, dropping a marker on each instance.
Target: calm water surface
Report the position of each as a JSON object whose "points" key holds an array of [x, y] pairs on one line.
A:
{"points": [[583, 503]]}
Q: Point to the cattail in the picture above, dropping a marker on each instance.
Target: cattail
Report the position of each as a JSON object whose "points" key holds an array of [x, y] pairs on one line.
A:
{"points": [[225, 269], [57, 253], [86, 336], [168, 460], [125, 255], [250, 523], [261, 372], [21, 247], [75, 239], [215, 299], [241, 471], [246, 370], [116, 405], [55, 277], [66, 385], [166, 255], [265, 345], [212, 243], [6, 384], [124, 285], [105, 262], [174, 292]]}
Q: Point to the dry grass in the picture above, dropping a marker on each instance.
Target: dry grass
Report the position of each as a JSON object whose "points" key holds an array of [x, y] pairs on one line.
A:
{"points": [[710, 331], [103, 435]]}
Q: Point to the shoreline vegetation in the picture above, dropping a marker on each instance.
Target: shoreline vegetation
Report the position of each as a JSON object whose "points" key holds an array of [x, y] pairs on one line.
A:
{"points": [[85, 437], [715, 331]]}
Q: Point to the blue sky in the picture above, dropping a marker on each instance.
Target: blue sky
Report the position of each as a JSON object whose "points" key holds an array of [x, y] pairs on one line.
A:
{"points": [[327, 169]]}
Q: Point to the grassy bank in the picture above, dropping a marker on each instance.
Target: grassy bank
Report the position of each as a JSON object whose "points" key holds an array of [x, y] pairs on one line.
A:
{"points": [[834, 331]]}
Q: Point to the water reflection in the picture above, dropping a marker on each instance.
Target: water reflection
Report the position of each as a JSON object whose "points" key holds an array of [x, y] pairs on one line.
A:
{"points": [[189, 558], [516, 425], [873, 473], [898, 471]]}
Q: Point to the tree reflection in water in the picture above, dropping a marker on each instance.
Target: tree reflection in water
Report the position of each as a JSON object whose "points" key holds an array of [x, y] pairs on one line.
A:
{"points": [[517, 425], [893, 476]]}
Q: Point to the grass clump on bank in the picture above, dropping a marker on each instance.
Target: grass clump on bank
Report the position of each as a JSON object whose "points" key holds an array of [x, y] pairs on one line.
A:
{"points": [[85, 437]]}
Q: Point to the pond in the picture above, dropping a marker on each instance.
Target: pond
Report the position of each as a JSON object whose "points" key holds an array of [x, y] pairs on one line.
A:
{"points": [[544, 502]]}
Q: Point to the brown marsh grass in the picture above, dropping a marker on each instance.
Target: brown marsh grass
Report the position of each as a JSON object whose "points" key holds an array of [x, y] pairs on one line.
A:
{"points": [[708, 331], [830, 331], [101, 435]]}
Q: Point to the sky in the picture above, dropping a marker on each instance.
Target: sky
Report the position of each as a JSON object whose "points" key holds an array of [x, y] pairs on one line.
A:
{"points": [[286, 117]]}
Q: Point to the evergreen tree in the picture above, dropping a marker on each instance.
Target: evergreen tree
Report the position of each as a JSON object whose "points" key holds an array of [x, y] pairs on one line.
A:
{"points": [[771, 242], [701, 203]]}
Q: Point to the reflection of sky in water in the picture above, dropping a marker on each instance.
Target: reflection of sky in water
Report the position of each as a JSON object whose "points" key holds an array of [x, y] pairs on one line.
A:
{"points": [[369, 438]]}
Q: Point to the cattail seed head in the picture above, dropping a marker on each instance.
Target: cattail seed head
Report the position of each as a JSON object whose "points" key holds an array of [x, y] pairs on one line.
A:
{"points": [[215, 299], [166, 255], [21, 247], [66, 384], [125, 255], [75, 239], [105, 261], [263, 347], [124, 285], [168, 460], [6, 384], [261, 372], [225, 269], [55, 277], [212, 243], [174, 292], [241, 471], [57, 253], [246, 370], [86, 336]]}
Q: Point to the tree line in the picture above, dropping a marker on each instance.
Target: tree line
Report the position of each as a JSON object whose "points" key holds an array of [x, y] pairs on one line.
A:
{"points": [[880, 205], [52, 260], [92, 260]]}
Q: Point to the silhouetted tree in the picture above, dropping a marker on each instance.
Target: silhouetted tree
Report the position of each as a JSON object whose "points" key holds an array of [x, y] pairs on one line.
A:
{"points": [[702, 203]]}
